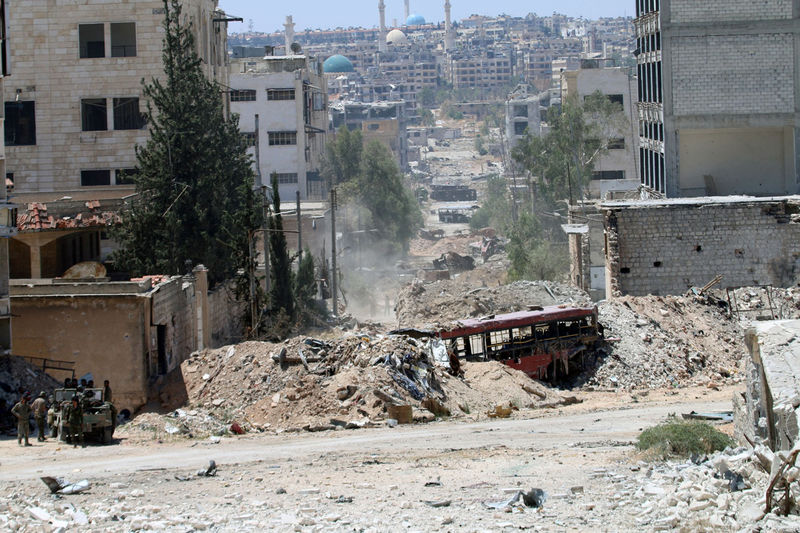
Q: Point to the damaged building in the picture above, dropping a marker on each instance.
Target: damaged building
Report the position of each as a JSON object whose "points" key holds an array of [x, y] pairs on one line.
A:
{"points": [[667, 246]]}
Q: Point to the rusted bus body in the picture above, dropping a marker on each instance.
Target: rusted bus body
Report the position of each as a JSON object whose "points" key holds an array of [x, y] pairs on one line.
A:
{"points": [[541, 343]]}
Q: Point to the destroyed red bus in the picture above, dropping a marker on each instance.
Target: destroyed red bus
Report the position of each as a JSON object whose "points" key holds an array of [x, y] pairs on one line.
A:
{"points": [[546, 343]]}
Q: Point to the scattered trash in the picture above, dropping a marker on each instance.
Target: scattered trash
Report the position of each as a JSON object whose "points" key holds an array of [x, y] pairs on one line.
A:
{"points": [[210, 471], [237, 429], [444, 503], [724, 416], [344, 499], [436, 483], [62, 486], [392, 422], [534, 498]]}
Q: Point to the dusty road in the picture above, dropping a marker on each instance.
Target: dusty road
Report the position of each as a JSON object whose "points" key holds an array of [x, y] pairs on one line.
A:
{"points": [[386, 477]]}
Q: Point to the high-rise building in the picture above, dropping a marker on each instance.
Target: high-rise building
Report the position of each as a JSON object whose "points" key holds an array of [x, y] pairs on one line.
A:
{"points": [[719, 96]]}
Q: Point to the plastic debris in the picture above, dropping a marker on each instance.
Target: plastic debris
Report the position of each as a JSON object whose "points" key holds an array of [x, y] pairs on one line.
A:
{"points": [[210, 471], [59, 485]]}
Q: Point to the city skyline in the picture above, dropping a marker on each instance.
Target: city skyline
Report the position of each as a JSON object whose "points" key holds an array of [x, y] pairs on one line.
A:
{"points": [[364, 13]]}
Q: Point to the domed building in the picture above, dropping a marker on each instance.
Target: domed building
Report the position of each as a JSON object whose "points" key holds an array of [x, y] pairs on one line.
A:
{"points": [[336, 64], [415, 20], [396, 38]]}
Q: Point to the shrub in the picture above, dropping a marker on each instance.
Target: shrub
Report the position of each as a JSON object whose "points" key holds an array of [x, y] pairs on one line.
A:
{"points": [[677, 438]]}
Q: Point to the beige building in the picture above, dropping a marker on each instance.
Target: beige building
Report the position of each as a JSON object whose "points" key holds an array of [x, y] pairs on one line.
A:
{"points": [[73, 108]]}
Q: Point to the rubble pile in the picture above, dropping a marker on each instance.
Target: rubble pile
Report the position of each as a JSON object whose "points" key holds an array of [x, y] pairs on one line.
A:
{"points": [[423, 304], [353, 382], [16, 373], [762, 303], [668, 341], [724, 492]]}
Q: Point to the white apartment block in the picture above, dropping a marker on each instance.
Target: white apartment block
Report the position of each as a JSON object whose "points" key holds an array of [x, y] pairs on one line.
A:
{"points": [[73, 107], [282, 103], [616, 169]]}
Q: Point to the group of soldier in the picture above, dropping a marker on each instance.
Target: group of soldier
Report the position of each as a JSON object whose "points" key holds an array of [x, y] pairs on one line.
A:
{"points": [[44, 412]]}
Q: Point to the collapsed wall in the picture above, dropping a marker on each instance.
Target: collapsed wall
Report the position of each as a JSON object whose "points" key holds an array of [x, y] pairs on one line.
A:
{"points": [[666, 246], [768, 410]]}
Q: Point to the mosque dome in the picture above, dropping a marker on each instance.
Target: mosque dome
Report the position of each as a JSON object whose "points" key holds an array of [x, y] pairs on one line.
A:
{"points": [[415, 20], [337, 63], [396, 37]]}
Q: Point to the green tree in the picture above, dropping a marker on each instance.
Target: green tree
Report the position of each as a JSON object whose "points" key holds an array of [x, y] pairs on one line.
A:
{"points": [[427, 118], [381, 190], [342, 159], [281, 292], [305, 287], [562, 161], [427, 97], [194, 184]]}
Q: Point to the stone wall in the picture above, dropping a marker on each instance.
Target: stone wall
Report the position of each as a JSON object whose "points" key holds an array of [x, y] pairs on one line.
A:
{"points": [[688, 11], [227, 316], [665, 247]]}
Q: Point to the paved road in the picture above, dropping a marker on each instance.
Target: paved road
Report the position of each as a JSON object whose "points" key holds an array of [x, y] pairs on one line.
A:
{"points": [[574, 425]]}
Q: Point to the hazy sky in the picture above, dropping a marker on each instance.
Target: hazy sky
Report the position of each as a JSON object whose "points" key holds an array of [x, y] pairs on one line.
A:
{"points": [[269, 16]]}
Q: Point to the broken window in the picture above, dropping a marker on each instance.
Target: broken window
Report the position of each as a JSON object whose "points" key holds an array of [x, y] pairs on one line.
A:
{"points": [[280, 94], [94, 114], [93, 178], [123, 39], [20, 123], [616, 144], [243, 95], [127, 115], [282, 138], [92, 40], [285, 178], [608, 175], [124, 176]]}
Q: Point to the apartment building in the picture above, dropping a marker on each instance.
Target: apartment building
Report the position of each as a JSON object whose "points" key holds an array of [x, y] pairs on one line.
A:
{"points": [[282, 103], [486, 70], [719, 96]]}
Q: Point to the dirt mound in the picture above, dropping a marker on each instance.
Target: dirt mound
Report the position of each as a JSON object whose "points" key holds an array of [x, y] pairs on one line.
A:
{"points": [[16, 372], [420, 304], [351, 382], [666, 341]]}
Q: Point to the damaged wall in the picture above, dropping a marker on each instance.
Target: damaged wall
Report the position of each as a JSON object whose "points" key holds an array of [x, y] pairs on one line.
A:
{"points": [[666, 246], [768, 408]]}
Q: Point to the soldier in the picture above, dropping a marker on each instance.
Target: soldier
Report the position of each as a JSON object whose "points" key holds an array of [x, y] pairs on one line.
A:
{"points": [[106, 391], [74, 416], [23, 412], [39, 407]]}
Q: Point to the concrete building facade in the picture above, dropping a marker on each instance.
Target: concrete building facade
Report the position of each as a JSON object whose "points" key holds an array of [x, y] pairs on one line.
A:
{"points": [[719, 96], [282, 102], [616, 169], [74, 106], [8, 217], [523, 115]]}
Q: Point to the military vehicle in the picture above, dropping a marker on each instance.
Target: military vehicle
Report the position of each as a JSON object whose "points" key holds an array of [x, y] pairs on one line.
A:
{"points": [[99, 416]]}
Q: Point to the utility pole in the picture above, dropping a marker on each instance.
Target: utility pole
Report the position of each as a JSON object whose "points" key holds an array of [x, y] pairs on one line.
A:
{"points": [[265, 235], [299, 229], [334, 276]]}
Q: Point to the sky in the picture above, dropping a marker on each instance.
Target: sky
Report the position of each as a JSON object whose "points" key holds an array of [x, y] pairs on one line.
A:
{"points": [[327, 14]]}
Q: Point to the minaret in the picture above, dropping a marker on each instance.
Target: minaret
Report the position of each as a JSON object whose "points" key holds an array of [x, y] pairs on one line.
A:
{"points": [[408, 9], [288, 34], [449, 37], [382, 33]]}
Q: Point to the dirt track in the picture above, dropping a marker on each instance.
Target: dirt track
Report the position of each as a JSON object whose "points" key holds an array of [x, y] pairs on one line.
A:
{"points": [[384, 471]]}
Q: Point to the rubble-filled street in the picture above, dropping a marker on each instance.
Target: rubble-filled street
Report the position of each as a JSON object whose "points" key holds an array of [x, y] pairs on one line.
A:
{"points": [[442, 476]]}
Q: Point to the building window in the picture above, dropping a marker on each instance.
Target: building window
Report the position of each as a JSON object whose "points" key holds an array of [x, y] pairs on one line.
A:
{"points": [[520, 128], [93, 178], [92, 40], [616, 144], [521, 111], [123, 39], [608, 175], [243, 95], [249, 138], [127, 115], [94, 114], [286, 178], [616, 99], [282, 138], [20, 126], [280, 94], [124, 176]]}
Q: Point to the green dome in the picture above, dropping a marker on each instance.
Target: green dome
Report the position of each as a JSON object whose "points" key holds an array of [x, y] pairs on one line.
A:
{"points": [[415, 20], [337, 63]]}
